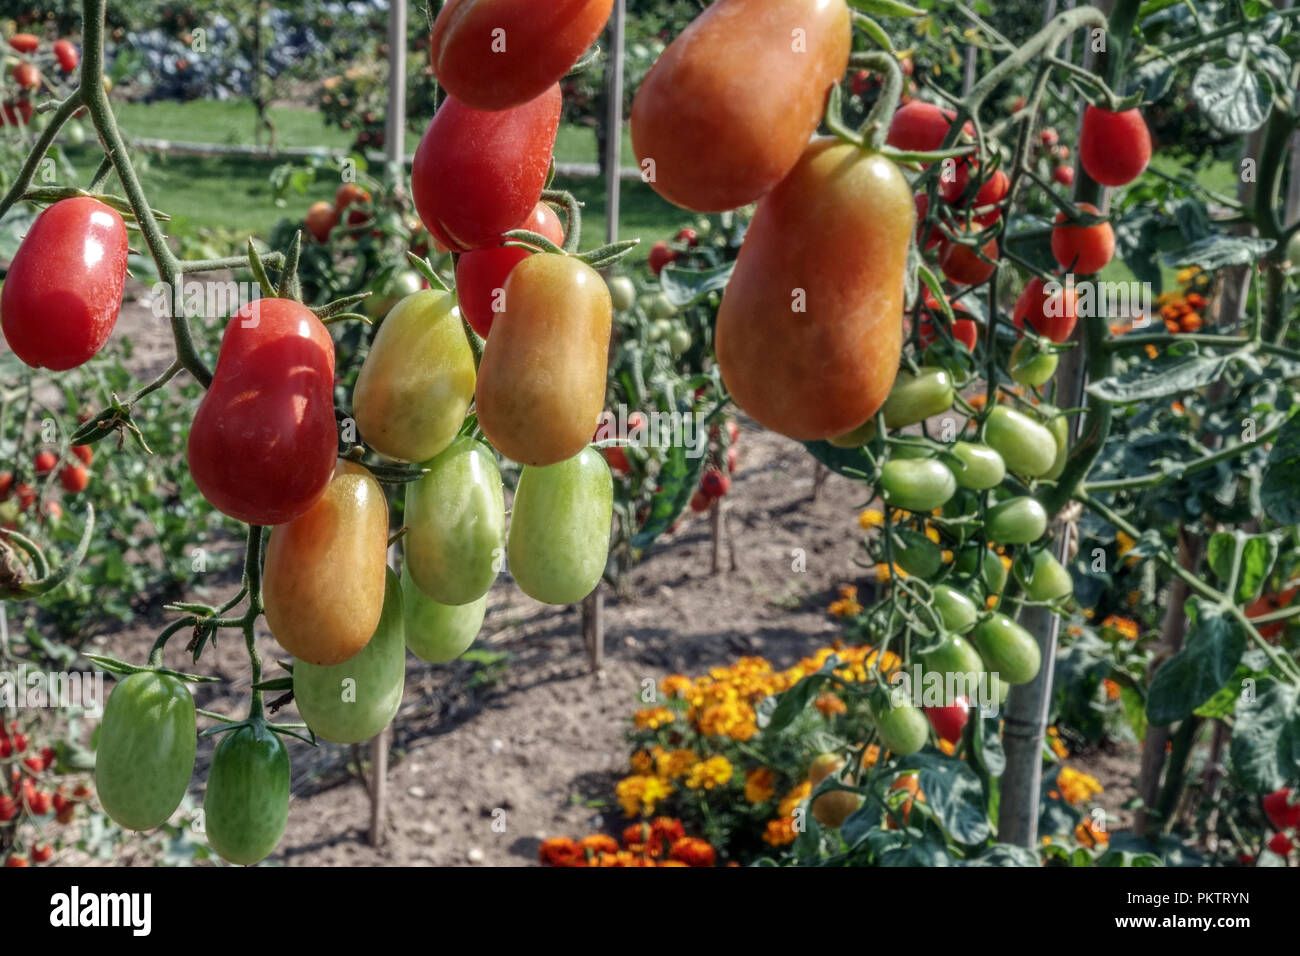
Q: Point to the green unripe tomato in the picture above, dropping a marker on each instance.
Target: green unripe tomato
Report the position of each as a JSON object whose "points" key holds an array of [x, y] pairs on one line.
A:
{"points": [[351, 702], [981, 467], [1007, 648], [903, 728], [916, 484], [856, 438], [660, 329], [1059, 427], [660, 307], [914, 398], [679, 342], [1026, 446], [1048, 580], [1015, 521], [994, 576], [916, 554], [146, 749], [247, 801], [621, 291], [435, 632], [1030, 366], [954, 656], [956, 610]]}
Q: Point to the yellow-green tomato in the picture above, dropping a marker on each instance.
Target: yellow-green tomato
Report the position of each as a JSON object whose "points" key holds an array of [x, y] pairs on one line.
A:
{"points": [[417, 381], [621, 292], [980, 466], [559, 528], [435, 632], [1007, 648], [1015, 521], [455, 520], [351, 702], [246, 804], [916, 484], [1030, 365], [1048, 580], [1026, 446]]}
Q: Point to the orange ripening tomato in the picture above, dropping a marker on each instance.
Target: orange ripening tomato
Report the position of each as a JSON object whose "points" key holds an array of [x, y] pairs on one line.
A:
{"points": [[263, 442], [495, 54], [1083, 249], [321, 219], [1052, 315], [961, 264], [481, 274], [541, 383], [323, 583], [810, 329], [708, 140]]}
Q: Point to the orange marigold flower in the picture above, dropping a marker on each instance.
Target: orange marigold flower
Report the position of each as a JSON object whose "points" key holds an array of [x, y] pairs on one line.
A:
{"points": [[668, 829], [1118, 328], [1112, 689], [795, 797], [636, 835], [1089, 833], [977, 401], [759, 786], [560, 851], [693, 852], [779, 832], [652, 718], [829, 705], [671, 863], [642, 762], [1196, 301], [1127, 627], [845, 607], [1177, 408], [671, 764], [1191, 322], [711, 773], [1076, 786], [871, 518], [947, 747], [639, 794], [870, 757], [675, 685], [1152, 351], [599, 843]]}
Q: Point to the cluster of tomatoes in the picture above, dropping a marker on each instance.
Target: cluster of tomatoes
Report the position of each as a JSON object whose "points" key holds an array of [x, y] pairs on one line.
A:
{"points": [[322, 217], [715, 480], [73, 477], [1283, 811], [29, 796], [26, 74]]}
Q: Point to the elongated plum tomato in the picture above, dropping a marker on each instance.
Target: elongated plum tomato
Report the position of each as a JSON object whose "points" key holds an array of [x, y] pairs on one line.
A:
{"points": [[146, 750], [456, 520], [980, 466], [1017, 520], [949, 720], [417, 381], [1114, 148], [962, 265], [351, 702], [263, 443], [435, 632], [1027, 447], [921, 127], [64, 287], [707, 142], [541, 383], [809, 339], [495, 54], [559, 528], [246, 804], [477, 175], [67, 55], [1083, 250], [956, 610], [1051, 313], [323, 583], [916, 484], [1048, 580], [1007, 649], [25, 42], [481, 275], [903, 728]]}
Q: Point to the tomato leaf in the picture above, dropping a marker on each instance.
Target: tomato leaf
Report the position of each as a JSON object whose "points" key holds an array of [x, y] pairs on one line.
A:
{"points": [[1217, 251], [885, 8], [1265, 748], [1146, 382], [1005, 854], [851, 462], [1208, 661], [1258, 555], [953, 793], [1279, 492], [678, 478], [792, 703], [1234, 98], [683, 287]]}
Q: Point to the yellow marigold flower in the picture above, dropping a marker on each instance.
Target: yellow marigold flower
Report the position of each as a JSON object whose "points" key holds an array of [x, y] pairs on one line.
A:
{"points": [[1168, 296], [845, 606], [1006, 562], [780, 832], [714, 772], [759, 785], [795, 797], [883, 572], [1076, 786], [675, 685], [1089, 613], [672, 764], [1056, 744], [830, 705], [642, 762], [652, 718], [871, 518], [1112, 689], [1123, 543], [638, 794]]}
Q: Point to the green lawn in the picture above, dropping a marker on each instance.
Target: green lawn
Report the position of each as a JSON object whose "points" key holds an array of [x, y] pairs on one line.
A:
{"points": [[234, 193]]}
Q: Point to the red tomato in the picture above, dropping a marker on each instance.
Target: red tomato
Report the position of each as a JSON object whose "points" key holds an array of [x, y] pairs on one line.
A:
{"points": [[948, 722], [349, 193], [6, 483], [497, 54], [1083, 249], [1062, 152], [64, 288], [84, 452], [44, 462], [708, 134], [67, 55], [38, 801], [1048, 137], [42, 853], [27, 76], [961, 265], [16, 114], [921, 127], [263, 443], [1283, 815], [321, 219], [700, 501], [733, 458], [1267, 604], [1064, 175], [74, 479], [953, 180], [1279, 844], [1053, 316], [477, 175], [688, 236], [715, 483], [1114, 147], [25, 42], [17, 859], [860, 82], [616, 455], [26, 496], [8, 807], [991, 192], [52, 510], [481, 275], [660, 256], [964, 331]]}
